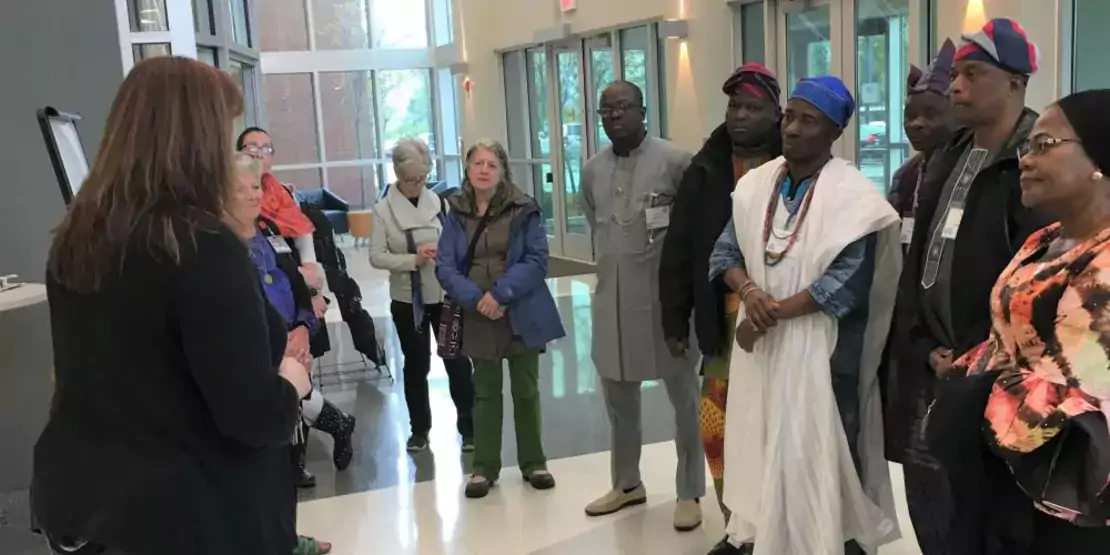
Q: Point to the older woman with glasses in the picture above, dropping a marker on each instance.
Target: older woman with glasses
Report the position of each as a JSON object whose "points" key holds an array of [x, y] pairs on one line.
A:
{"points": [[1038, 390], [492, 261], [279, 206], [408, 223]]}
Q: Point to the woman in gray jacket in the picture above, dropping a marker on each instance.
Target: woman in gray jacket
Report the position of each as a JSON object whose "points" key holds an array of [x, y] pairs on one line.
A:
{"points": [[407, 226]]}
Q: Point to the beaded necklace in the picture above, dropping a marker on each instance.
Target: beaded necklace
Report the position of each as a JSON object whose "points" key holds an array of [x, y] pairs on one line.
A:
{"points": [[771, 258]]}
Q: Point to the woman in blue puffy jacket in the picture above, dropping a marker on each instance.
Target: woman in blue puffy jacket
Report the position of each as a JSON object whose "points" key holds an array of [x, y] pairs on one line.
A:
{"points": [[492, 262]]}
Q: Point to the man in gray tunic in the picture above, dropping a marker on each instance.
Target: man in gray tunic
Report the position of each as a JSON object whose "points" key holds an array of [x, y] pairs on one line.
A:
{"points": [[627, 191]]}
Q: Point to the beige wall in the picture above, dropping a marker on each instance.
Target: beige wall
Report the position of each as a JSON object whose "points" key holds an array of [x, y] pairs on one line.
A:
{"points": [[695, 71], [695, 104]]}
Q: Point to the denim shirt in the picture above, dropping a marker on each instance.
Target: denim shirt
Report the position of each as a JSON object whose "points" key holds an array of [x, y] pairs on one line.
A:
{"points": [[838, 291]]}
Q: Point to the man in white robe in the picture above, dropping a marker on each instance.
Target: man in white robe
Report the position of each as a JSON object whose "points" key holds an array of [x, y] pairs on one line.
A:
{"points": [[813, 253]]}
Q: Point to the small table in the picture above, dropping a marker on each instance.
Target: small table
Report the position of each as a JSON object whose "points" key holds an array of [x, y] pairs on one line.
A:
{"points": [[360, 223]]}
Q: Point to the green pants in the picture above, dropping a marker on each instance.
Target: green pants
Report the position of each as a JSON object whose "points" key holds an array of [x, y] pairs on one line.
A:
{"points": [[524, 374]]}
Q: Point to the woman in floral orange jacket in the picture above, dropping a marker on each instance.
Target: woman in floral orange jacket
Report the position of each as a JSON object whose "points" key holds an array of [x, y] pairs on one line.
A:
{"points": [[1047, 361]]}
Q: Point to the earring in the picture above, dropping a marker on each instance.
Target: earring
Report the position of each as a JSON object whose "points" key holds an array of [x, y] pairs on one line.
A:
{"points": [[1097, 176]]}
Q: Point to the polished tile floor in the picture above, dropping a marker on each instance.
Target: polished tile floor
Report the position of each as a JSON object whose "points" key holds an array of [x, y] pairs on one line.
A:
{"points": [[392, 502]]}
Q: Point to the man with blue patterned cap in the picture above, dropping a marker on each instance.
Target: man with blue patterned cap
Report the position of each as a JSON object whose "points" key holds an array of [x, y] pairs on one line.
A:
{"points": [[813, 252]]}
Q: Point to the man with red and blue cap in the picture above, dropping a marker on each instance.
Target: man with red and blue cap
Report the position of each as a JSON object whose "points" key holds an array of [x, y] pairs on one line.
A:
{"points": [[969, 223], [813, 253], [748, 138]]}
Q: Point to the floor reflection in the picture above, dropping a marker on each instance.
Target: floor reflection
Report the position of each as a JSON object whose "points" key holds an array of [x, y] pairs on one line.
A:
{"points": [[574, 418]]}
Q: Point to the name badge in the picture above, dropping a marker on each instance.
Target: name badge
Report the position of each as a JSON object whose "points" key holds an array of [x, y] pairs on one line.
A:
{"points": [[658, 217], [279, 244], [952, 223], [907, 230]]}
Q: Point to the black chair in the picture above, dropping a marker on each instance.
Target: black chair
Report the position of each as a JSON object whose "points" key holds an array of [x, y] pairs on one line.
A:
{"points": [[334, 207]]}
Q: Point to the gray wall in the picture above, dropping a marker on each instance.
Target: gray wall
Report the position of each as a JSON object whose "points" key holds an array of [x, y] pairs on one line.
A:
{"points": [[62, 53]]}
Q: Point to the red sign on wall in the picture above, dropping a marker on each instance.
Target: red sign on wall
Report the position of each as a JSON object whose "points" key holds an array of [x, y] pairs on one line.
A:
{"points": [[567, 5]]}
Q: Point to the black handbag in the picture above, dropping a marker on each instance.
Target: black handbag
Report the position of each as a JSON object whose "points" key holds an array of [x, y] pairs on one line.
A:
{"points": [[1069, 472]]}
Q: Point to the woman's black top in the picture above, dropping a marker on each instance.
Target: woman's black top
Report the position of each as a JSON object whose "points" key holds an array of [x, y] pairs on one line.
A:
{"points": [[170, 425]]}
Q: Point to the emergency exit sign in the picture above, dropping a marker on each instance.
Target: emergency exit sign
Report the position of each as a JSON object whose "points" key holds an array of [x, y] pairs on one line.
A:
{"points": [[567, 5]]}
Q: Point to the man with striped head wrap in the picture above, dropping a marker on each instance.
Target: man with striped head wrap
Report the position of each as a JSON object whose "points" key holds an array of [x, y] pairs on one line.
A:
{"points": [[748, 138]]}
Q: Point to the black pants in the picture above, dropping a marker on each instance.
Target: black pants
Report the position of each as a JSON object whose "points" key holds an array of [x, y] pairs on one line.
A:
{"points": [[416, 345]]}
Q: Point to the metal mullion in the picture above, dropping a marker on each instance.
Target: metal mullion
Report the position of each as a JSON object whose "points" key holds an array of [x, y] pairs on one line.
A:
{"points": [[377, 125], [1065, 54], [318, 108], [618, 55], [843, 46], [310, 23], [223, 37], [151, 37], [357, 163], [208, 41], [429, 24], [295, 167], [525, 78], [437, 109], [369, 24], [554, 111], [589, 126], [253, 38], [651, 52], [243, 51]]}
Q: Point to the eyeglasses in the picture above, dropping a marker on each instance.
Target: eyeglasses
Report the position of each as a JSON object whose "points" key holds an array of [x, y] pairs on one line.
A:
{"points": [[255, 149], [614, 111], [1041, 144]]}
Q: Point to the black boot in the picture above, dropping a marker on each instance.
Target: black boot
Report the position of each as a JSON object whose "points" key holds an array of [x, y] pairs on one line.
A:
{"points": [[340, 427], [301, 476]]}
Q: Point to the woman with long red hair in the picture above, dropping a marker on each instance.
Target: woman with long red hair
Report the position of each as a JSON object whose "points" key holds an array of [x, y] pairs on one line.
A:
{"points": [[170, 426]]}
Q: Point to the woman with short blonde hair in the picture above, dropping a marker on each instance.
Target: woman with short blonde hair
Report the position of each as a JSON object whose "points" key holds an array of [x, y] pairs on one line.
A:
{"points": [[408, 223]]}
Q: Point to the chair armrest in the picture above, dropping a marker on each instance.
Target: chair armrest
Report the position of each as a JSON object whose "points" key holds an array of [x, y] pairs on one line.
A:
{"points": [[333, 201]]}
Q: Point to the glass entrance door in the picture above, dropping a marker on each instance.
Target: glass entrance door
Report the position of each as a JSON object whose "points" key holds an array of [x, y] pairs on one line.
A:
{"points": [[572, 129], [602, 72], [808, 43], [882, 67]]}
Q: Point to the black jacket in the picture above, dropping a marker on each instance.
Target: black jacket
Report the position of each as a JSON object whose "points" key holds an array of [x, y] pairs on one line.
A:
{"points": [[994, 226], [702, 208], [169, 427]]}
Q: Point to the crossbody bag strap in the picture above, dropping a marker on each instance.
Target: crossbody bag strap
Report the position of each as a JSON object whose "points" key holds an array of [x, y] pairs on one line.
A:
{"points": [[468, 262]]}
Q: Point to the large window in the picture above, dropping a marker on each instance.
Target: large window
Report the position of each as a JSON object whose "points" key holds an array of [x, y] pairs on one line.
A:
{"points": [[216, 32], [283, 26], [882, 67], [749, 34], [341, 24], [398, 24], [292, 118], [552, 95], [1090, 43], [337, 111], [148, 15]]}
